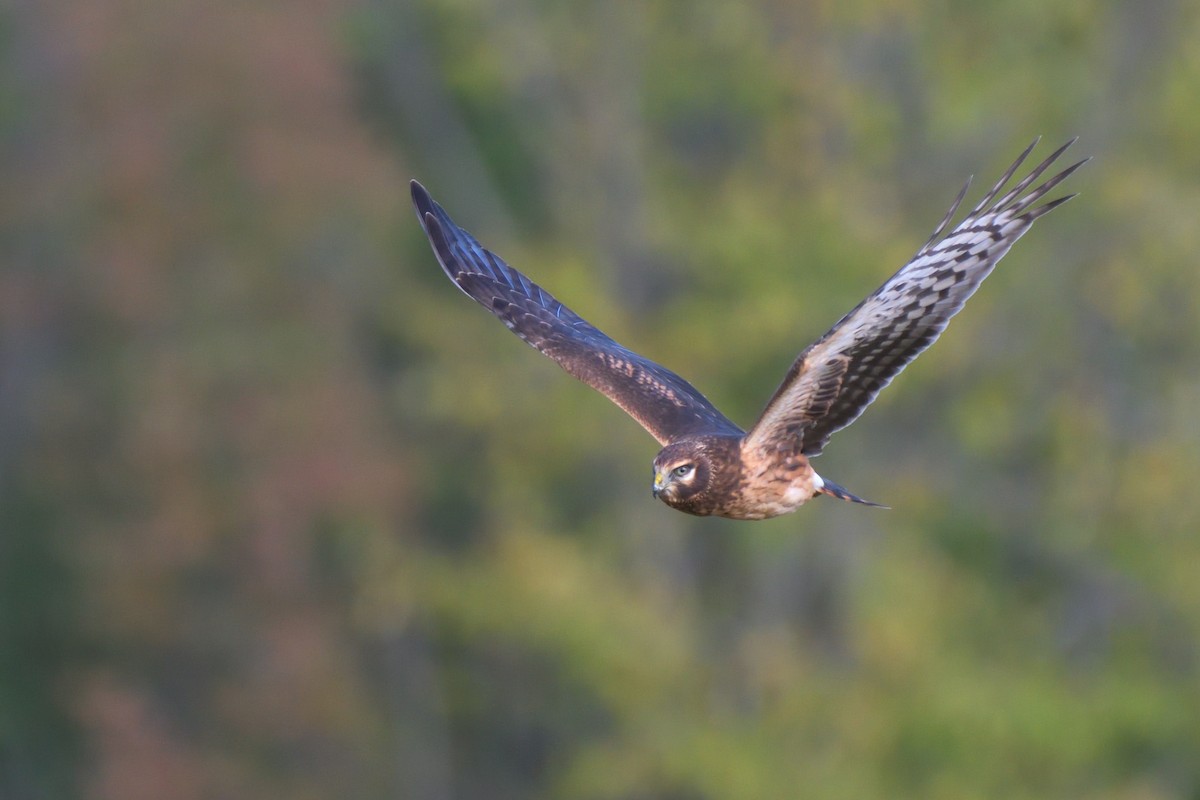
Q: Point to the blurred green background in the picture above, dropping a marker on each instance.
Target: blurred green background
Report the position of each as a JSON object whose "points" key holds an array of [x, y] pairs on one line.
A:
{"points": [[284, 515]]}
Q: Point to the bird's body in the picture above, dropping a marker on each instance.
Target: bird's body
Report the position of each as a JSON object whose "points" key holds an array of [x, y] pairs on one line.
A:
{"points": [[732, 482], [708, 465]]}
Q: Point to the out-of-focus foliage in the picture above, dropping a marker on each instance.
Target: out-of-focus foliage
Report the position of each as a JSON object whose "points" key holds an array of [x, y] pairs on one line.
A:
{"points": [[282, 514]]}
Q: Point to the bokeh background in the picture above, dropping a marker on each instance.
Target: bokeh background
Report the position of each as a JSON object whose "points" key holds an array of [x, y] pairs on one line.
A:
{"points": [[283, 515]]}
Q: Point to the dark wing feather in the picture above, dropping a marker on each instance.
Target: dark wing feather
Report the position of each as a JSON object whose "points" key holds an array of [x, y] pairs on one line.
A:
{"points": [[833, 381], [665, 404]]}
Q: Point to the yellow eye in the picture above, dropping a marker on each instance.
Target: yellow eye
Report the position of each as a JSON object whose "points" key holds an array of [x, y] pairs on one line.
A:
{"points": [[683, 469]]}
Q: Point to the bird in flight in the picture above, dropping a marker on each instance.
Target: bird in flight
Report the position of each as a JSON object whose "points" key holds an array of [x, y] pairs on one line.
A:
{"points": [[708, 465]]}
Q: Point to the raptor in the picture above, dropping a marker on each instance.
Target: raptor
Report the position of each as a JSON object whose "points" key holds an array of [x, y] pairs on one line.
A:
{"points": [[708, 465]]}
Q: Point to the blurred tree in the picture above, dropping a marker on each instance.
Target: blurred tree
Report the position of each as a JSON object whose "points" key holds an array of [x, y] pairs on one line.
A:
{"points": [[283, 515]]}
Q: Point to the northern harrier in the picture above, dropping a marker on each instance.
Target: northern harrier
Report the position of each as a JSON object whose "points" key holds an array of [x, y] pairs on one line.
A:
{"points": [[708, 465]]}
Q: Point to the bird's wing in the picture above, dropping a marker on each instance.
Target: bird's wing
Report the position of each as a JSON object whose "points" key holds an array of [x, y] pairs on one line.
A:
{"points": [[665, 404], [833, 381]]}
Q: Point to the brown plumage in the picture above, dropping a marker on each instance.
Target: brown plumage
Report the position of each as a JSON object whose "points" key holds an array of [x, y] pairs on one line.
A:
{"points": [[708, 465]]}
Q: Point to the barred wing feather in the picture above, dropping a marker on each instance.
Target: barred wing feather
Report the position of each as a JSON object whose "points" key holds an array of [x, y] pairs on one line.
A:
{"points": [[833, 381]]}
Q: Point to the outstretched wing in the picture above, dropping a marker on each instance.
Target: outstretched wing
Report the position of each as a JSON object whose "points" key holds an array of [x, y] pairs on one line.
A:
{"points": [[833, 381], [665, 404]]}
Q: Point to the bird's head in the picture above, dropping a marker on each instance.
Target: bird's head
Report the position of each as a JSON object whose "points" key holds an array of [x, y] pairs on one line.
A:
{"points": [[682, 472]]}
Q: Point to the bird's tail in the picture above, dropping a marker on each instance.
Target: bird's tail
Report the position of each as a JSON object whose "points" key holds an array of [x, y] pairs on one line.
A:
{"points": [[833, 490]]}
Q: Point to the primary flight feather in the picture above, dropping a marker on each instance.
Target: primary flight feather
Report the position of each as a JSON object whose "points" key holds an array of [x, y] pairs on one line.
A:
{"points": [[708, 465]]}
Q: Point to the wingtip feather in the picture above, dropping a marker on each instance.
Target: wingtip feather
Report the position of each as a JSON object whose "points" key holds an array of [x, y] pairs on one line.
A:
{"points": [[421, 199], [941, 228], [441, 245], [986, 202]]}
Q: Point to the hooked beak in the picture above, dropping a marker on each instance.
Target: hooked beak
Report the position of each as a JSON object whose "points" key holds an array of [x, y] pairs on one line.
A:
{"points": [[660, 483]]}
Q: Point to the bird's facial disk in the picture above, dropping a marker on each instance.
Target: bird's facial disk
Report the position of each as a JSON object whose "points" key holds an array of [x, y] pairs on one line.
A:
{"points": [[670, 477]]}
